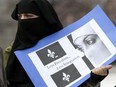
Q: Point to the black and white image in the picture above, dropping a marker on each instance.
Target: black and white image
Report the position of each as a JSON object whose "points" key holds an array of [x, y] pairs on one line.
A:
{"points": [[51, 53], [85, 59], [90, 44], [66, 76]]}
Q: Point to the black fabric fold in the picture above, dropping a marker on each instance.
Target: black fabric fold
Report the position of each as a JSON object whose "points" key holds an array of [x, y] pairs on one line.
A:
{"points": [[97, 77]]}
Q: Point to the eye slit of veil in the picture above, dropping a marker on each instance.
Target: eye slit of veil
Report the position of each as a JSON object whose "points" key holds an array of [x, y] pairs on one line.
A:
{"points": [[27, 16]]}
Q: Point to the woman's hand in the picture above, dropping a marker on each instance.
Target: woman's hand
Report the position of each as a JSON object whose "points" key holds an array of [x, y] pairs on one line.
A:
{"points": [[103, 70]]}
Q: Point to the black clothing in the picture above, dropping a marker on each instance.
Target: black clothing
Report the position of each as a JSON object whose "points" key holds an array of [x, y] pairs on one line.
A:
{"points": [[29, 32], [93, 81]]}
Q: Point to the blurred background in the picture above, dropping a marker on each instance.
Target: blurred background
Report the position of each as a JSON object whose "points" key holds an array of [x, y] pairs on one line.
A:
{"points": [[68, 11]]}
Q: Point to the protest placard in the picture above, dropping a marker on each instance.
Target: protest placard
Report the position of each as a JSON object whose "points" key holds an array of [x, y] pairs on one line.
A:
{"points": [[66, 58]]}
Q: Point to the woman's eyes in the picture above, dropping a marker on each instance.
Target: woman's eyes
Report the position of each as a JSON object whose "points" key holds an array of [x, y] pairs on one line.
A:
{"points": [[27, 16], [90, 40], [30, 16]]}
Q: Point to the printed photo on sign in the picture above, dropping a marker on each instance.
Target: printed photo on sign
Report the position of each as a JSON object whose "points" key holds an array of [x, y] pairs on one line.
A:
{"points": [[90, 44], [51, 53], [66, 76], [85, 59]]}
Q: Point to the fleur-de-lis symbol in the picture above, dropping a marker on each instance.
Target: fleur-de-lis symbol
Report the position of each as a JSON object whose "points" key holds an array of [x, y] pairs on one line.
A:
{"points": [[51, 54], [66, 77]]}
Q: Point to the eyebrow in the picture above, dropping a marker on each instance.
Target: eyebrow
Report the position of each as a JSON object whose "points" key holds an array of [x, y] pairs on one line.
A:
{"points": [[87, 37]]}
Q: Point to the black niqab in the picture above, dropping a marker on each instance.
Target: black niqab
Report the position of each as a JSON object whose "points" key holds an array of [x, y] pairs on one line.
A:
{"points": [[29, 32]]}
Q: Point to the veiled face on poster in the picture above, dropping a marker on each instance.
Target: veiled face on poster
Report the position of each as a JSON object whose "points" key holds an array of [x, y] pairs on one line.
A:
{"points": [[62, 62]]}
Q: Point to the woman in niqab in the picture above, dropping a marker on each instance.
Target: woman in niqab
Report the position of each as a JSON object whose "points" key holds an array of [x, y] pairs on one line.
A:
{"points": [[30, 31], [36, 20]]}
